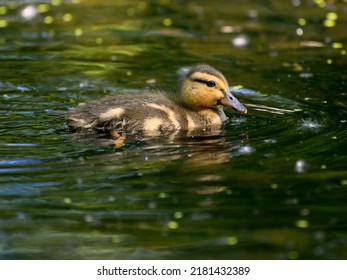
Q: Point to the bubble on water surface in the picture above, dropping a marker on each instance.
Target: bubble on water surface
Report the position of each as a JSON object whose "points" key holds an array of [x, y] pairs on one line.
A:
{"points": [[245, 150], [29, 12], [300, 166], [306, 75], [240, 41]]}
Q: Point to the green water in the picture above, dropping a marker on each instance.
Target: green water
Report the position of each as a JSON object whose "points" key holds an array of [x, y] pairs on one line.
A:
{"points": [[272, 185]]}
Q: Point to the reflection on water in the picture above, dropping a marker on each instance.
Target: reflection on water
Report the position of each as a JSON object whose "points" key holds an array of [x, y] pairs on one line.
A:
{"points": [[271, 184]]}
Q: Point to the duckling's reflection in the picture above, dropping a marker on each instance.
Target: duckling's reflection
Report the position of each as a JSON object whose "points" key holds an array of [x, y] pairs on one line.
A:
{"points": [[197, 155], [194, 149], [199, 158], [195, 159]]}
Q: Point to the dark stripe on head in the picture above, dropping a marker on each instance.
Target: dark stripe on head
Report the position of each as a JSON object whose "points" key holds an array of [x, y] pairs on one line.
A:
{"points": [[199, 81]]}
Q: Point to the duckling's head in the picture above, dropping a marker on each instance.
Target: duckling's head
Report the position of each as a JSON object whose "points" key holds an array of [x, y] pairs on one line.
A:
{"points": [[205, 87]]}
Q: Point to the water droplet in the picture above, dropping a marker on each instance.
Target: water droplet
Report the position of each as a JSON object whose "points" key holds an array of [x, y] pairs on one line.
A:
{"points": [[178, 215], [3, 10], [29, 12], [246, 150], [48, 20], [43, 8], [302, 223], [56, 2], [300, 166], [306, 75], [163, 195], [320, 3], [172, 225], [232, 240], [3, 23], [337, 45], [299, 31], [302, 22], [67, 17], [329, 23], [78, 32], [332, 16], [240, 41], [167, 22]]}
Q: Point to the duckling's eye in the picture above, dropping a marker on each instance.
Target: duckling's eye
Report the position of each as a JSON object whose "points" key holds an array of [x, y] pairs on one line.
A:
{"points": [[210, 83]]}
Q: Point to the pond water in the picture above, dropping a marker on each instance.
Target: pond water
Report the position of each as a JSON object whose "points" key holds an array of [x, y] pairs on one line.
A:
{"points": [[271, 185]]}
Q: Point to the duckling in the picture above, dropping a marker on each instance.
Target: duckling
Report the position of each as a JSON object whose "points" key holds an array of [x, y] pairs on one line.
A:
{"points": [[197, 105]]}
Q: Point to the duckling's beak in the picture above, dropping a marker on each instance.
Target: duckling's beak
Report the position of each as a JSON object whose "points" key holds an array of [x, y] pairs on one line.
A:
{"points": [[231, 102]]}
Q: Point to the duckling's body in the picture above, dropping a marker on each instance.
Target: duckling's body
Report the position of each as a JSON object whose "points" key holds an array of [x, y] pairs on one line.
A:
{"points": [[198, 104]]}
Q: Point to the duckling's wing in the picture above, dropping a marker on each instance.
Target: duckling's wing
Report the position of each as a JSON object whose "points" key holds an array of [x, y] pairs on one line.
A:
{"points": [[99, 112], [117, 111]]}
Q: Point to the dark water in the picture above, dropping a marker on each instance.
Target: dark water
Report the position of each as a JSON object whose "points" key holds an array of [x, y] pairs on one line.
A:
{"points": [[272, 185]]}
